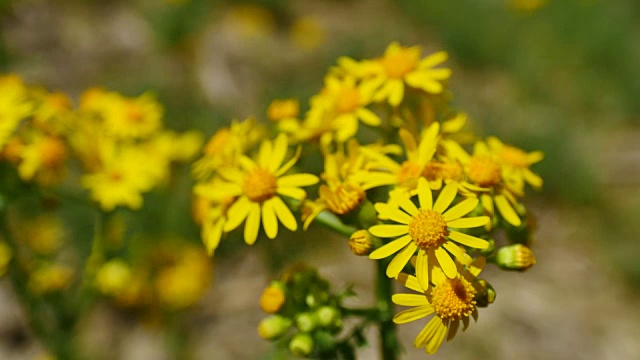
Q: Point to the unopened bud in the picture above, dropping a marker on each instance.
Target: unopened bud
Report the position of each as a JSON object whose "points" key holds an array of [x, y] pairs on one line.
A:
{"points": [[273, 327], [273, 298], [361, 243], [486, 295], [327, 315], [306, 321], [302, 344], [515, 257]]}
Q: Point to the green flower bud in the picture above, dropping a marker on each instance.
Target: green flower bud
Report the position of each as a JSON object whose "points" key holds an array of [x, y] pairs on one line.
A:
{"points": [[486, 294], [273, 327], [302, 344], [327, 315], [316, 297], [361, 243], [306, 322], [515, 257]]}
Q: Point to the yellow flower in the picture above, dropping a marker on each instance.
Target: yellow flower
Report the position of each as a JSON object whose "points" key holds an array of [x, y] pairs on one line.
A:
{"points": [[347, 104], [406, 174], [430, 229], [43, 159], [132, 118], [341, 193], [451, 300], [214, 216], [50, 277], [402, 65], [258, 186], [113, 277], [15, 105], [515, 165], [485, 170], [226, 145], [182, 284], [120, 179]]}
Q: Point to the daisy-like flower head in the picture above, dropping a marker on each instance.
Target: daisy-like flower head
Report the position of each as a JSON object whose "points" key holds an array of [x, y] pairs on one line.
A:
{"points": [[258, 185], [341, 193], [516, 163], [119, 179], [484, 169], [430, 229], [402, 65], [406, 174], [226, 145], [43, 159], [450, 300], [134, 118]]}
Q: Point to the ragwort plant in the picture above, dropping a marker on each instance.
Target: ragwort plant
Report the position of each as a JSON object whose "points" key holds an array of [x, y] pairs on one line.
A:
{"points": [[402, 180]]}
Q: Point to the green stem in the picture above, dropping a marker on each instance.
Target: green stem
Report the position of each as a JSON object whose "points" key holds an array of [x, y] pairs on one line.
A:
{"points": [[384, 290], [331, 221]]}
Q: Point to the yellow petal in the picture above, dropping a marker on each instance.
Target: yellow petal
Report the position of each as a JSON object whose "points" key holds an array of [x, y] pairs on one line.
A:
{"points": [[407, 205], [446, 263], [280, 147], [410, 282], [269, 220], [469, 222], [297, 180], [289, 163], [395, 214], [390, 248], [396, 92], [425, 197], [292, 192], [387, 231], [445, 198], [413, 314], [433, 59], [457, 252], [264, 154], [422, 269], [400, 260], [461, 209], [507, 211], [284, 214], [252, 225], [410, 299], [237, 213], [468, 240], [436, 340], [368, 117]]}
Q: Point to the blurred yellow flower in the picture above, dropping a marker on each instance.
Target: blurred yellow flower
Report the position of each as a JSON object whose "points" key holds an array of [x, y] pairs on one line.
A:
{"points": [[132, 118], [515, 165], [307, 33], [50, 277], [15, 105], [400, 66]]}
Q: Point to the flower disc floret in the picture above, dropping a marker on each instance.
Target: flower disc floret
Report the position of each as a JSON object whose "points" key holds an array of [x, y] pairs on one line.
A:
{"points": [[453, 299], [398, 64], [260, 185], [428, 229], [348, 100], [484, 171]]}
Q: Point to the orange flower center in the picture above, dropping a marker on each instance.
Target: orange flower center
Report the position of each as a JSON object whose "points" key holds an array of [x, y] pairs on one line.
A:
{"points": [[453, 299], [428, 229], [484, 171], [342, 199], [134, 114], [408, 174], [398, 64], [446, 171], [514, 157], [260, 185], [53, 152], [348, 100]]}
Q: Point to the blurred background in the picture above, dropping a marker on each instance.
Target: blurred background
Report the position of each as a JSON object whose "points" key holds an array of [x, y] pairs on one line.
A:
{"points": [[561, 76]]}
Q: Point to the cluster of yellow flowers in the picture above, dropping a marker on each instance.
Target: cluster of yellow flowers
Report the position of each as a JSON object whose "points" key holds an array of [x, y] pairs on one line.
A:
{"points": [[119, 141], [432, 191]]}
